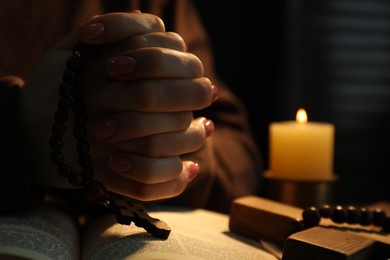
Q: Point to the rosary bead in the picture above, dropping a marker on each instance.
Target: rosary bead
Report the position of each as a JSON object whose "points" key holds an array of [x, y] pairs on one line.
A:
{"points": [[75, 63], [58, 130], [326, 211], [61, 116], [353, 215], [64, 103], [339, 214], [350, 215], [65, 170], [96, 192], [87, 173], [65, 89], [79, 132], [311, 217], [56, 158], [69, 76], [106, 203], [56, 143], [378, 217], [365, 216], [80, 118], [83, 146], [77, 52], [75, 179]]}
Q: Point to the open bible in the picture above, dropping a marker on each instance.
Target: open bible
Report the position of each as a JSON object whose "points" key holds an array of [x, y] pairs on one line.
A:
{"points": [[50, 233]]}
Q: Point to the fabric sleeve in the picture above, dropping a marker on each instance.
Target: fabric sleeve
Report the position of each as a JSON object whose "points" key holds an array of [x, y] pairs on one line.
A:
{"points": [[231, 163]]}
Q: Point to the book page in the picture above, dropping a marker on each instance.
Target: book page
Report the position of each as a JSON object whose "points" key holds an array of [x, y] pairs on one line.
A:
{"points": [[196, 234], [45, 233]]}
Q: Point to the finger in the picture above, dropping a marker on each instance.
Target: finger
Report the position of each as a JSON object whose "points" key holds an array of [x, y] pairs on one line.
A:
{"points": [[114, 27], [131, 125], [97, 63], [154, 62], [163, 95], [152, 192], [171, 144], [146, 170], [169, 40]]}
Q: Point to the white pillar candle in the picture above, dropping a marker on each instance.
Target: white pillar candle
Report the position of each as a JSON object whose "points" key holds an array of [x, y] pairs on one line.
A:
{"points": [[301, 150]]}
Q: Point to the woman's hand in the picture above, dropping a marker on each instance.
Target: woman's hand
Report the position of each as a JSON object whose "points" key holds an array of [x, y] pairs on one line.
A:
{"points": [[141, 88]]}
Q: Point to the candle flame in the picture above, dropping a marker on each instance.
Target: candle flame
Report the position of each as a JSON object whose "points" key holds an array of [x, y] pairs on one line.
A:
{"points": [[301, 116]]}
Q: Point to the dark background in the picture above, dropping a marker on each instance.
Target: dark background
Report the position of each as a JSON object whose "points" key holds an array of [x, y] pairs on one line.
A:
{"points": [[330, 57]]}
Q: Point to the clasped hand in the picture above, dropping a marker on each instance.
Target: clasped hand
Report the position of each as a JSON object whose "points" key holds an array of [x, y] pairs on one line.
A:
{"points": [[141, 88]]}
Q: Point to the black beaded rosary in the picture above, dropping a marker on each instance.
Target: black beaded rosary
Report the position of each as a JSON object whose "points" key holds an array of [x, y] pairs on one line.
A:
{"points": [[350, 215], [72, 99]]}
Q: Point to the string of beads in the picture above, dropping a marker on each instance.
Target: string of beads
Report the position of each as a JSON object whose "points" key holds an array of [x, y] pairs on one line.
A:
{"points": [[72, 100], [349, 214]]}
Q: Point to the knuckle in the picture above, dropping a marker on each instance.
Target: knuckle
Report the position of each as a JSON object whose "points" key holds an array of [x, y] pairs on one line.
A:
{"points": [[138, 41], [196, 65], [158, 23], [175, 37]]}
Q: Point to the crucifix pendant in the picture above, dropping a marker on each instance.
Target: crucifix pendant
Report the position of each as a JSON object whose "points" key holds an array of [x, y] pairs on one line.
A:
{"points": [[127, 212]]}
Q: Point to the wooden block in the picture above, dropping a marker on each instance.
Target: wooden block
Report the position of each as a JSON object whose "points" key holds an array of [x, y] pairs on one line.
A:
{"points": [[265, 219], [328, 243]]}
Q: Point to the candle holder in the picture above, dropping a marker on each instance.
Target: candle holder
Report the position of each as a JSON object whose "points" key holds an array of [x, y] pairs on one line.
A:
{"points": [[299, 193]]}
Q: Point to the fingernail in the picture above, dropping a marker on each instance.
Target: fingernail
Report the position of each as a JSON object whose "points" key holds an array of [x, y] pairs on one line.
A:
{"points": [[104, 129], [209, 127], [91, 31], [193, 171], [121, 65], [214, 93], [119, 164]]}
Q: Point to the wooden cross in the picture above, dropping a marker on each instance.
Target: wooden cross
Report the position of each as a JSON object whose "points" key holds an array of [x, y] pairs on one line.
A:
{"points": [[275, 222], [135, 212]]}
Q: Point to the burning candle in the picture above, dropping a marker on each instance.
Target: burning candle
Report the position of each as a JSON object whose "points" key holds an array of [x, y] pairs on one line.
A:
{"points": [[301, 150]]}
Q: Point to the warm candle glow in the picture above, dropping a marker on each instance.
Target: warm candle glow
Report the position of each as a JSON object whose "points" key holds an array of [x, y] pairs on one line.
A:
{"points": [[300, 149], [301, 116]]}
